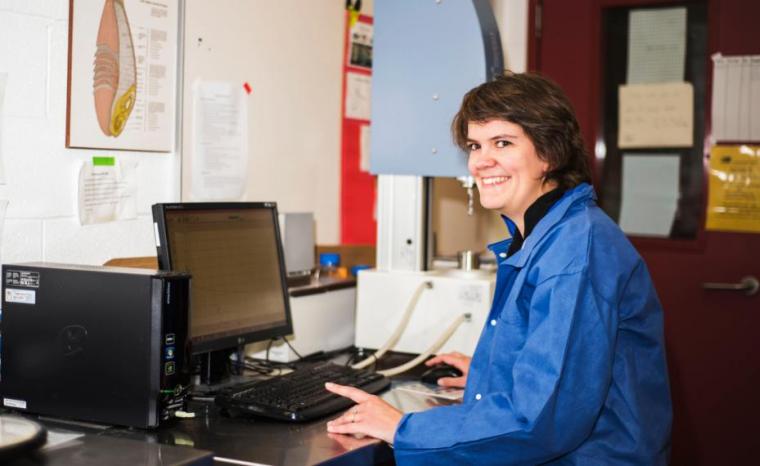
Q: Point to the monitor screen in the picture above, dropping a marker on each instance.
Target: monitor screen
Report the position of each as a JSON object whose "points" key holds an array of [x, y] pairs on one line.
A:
{"points": [[234, 253]]}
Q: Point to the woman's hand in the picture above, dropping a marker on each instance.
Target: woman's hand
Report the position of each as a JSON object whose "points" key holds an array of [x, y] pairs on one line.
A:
{"points": [[458, 360], [371, 415]]}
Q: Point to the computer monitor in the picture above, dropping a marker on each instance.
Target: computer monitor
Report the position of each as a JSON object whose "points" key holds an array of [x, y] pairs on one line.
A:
{"points": [[238, 291]]}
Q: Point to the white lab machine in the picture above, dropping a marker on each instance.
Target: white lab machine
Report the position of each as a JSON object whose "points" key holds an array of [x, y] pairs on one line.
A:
{"points": [[384, 295], [403, 305], [322, 321]]}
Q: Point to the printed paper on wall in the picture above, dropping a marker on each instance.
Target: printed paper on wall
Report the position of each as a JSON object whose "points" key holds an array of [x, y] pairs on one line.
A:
{"points": [[733, 202]]}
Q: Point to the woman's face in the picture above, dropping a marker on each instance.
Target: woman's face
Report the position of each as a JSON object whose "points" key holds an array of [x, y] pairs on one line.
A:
{"points": [[506, 167]]}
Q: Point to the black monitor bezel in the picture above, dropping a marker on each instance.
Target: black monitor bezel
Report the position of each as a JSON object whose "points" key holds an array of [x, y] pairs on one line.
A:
{"points": [[165, 263]]}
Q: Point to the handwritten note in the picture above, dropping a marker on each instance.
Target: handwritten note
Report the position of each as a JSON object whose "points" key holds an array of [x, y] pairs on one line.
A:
{"points": [[656, 115]]}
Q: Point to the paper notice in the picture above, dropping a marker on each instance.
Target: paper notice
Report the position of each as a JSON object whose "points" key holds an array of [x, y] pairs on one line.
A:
{"points": [[650, 194], [107, 192], [364, 135], [360, 45], [733, 203], [656, 45], [3, 209], [736, 98], [3, 81], [656, 115], [358, 87], [220, 141]]}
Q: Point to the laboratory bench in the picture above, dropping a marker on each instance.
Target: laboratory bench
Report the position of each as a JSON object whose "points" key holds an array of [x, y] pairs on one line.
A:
{"points": [[238, 440]]}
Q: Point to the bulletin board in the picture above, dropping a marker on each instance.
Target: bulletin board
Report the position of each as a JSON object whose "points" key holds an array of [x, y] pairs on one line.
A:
{"points": [[358, 187], [684, 160]]}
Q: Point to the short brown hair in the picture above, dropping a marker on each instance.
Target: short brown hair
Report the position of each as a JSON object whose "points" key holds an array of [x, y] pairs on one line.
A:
{"points": [[543, 111]]}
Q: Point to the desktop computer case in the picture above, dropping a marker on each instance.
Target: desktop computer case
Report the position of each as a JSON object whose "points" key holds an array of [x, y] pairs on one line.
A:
{"points": [[99, 344]]}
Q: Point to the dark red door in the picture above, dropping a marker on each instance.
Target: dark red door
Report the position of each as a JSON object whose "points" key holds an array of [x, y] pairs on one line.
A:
{"points": [[713, 337]]}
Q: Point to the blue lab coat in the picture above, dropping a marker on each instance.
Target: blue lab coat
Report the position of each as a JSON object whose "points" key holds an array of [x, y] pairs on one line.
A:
{"points": [[570, 367]]}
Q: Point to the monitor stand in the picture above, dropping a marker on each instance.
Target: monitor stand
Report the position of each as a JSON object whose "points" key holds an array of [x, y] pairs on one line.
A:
{"points": [[216, 375]]}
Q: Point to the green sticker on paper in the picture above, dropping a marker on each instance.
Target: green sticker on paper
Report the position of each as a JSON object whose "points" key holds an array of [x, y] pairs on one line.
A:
{"points": [[104, 161]]}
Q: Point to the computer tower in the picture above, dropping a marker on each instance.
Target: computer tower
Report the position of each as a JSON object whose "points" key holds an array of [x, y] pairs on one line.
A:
{"points": [[99, 344]]}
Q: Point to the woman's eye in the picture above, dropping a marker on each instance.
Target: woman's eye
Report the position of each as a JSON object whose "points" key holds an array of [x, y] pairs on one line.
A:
{"points": [[502, 143], [472, 146]]}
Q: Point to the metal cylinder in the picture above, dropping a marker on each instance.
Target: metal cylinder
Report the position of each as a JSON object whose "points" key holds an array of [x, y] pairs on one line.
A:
{"points": [[468, 260]]}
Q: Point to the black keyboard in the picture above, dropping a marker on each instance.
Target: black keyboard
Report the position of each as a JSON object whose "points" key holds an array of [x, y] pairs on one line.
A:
{"points": [[300, 395]]}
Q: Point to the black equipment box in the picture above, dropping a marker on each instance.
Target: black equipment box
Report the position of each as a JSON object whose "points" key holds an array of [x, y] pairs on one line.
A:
{"points": [[100, 344]]}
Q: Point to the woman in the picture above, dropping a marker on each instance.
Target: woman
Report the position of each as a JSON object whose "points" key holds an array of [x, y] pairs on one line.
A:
{"points": [[570, 367]]}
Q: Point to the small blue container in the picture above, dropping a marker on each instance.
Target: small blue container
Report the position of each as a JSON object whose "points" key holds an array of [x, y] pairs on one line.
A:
{"points": [[355, 269], [329, 259]]}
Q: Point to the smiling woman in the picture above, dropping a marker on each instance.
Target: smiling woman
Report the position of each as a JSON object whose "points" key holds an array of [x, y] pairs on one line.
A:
{"points": [[543, 113], [508, 172], [570, 368]]}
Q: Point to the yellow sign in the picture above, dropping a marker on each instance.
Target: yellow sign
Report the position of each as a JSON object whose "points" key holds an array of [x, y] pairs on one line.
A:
{"points": [[733, 203]]}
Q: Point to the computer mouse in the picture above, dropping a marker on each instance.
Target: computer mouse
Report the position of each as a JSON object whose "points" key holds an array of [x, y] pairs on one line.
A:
{"points": [[432, 375]]}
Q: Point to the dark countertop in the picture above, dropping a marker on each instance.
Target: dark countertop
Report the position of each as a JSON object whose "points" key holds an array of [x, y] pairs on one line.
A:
{"points": [[243, 439], [99, 450], [259, 440], [321, 285]]}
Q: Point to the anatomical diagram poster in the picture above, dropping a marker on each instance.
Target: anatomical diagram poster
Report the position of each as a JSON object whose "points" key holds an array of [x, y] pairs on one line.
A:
{"points": [[122, 74]]}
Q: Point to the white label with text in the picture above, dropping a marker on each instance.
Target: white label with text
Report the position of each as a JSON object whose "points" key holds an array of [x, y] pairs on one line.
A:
{"points": [[13, 295], [11, 403]]}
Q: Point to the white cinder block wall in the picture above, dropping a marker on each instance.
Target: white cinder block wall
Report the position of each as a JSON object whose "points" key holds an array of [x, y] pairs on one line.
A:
{"points": [[40, 173]]}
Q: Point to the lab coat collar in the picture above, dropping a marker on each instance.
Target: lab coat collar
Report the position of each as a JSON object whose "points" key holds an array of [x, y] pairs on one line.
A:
{"points": [[582, 192]]}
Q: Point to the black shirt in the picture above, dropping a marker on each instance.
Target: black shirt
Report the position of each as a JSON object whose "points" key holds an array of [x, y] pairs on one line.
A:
{"points": [[535, 212]]}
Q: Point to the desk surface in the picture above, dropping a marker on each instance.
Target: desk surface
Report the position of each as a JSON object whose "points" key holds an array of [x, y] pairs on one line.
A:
{"points": [[99, 450], [256, 441], [260, 441]]}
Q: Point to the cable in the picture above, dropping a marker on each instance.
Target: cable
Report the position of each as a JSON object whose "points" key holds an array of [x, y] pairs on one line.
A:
{"points": [[399, 328], [357, 354], [292, 349], [263, 367], [325, 355], [235, 360], [432, 349]]}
